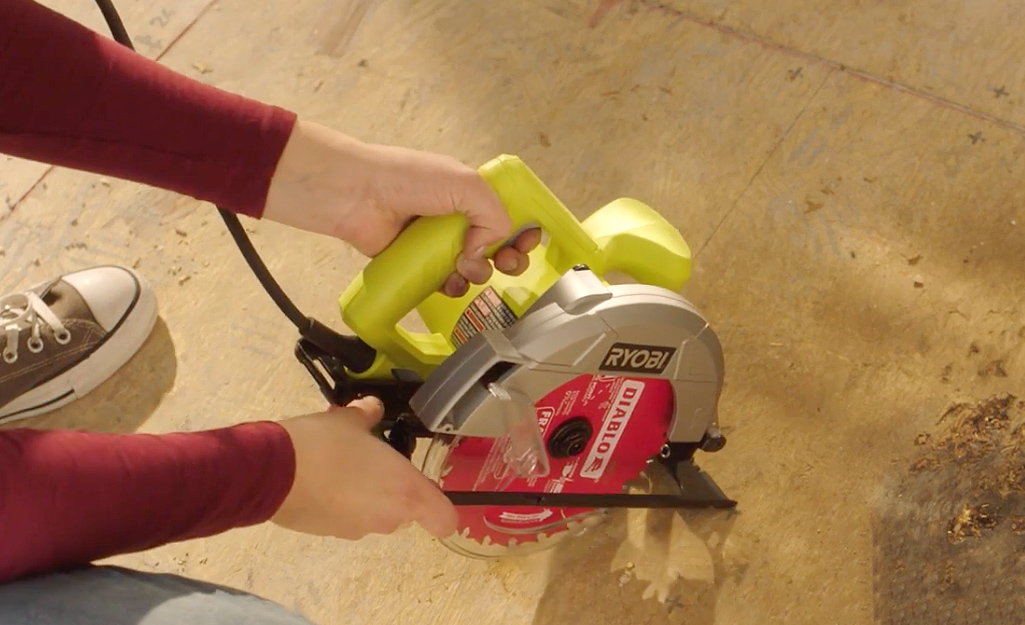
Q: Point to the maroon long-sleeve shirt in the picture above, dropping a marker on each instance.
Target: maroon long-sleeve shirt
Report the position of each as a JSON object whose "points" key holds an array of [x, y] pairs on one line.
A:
{"points": [[74, 98]]}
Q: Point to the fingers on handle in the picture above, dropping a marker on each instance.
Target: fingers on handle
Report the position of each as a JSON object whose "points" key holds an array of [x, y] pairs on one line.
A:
{"points": [[510, 261], [455, 286], [477, 270], [490, 223], [527, 240], [368, 410]]}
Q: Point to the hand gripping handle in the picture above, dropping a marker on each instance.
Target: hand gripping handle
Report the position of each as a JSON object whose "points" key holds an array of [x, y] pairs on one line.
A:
{"points": [[422, 257]]}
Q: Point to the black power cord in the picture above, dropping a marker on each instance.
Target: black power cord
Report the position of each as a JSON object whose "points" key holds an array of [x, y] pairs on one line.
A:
{"points": [[245, 245], [117, 27], [353, 352]]}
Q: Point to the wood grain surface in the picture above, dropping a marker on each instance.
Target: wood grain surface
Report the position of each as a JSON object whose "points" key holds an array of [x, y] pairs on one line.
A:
{"points": [[847, 177]]}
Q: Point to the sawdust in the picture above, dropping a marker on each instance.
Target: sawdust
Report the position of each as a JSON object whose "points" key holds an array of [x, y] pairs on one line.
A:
{"points": [[971, 522], [949, 533], [643, 566], [980, 432], [994, 368], [976, 431], [659, 550]]}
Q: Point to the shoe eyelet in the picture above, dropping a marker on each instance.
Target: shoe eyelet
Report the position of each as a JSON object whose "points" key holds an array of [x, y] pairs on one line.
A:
{"points": [[62, 337], [35, 345], [10, 357]]}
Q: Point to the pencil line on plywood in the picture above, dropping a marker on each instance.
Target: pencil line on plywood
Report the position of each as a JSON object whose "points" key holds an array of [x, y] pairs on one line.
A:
{"points": [[14, 205], [761, 166], [206, 8], [814, 58]]}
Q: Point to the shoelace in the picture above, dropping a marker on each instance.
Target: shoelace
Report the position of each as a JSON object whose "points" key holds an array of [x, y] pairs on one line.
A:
{"points": [[22, 311]]}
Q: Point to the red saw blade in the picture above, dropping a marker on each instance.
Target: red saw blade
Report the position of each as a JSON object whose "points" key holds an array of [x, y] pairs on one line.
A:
{"points": [[629, 419]]}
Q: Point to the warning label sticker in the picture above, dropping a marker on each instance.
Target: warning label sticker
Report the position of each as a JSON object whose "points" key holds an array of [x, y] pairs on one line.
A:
{"points": [[486, 311]]}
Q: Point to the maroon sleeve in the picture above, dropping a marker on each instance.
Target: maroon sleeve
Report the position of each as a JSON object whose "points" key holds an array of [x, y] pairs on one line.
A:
{"points": [[74, 98], [68, 498]]}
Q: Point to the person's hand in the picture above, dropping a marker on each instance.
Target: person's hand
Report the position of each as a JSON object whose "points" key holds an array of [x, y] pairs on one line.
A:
{"points": [[365, 194], [349, 483]]}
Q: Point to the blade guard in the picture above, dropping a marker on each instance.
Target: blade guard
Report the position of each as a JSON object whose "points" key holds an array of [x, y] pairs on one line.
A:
{"points": [[625, 236]]}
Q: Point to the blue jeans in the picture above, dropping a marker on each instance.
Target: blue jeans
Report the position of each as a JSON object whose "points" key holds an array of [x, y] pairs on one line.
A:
{"points": [[116, 596]]}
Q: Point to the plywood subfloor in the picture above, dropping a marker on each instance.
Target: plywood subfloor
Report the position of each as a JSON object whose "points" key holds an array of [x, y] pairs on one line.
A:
{"points": [[848, 176]]}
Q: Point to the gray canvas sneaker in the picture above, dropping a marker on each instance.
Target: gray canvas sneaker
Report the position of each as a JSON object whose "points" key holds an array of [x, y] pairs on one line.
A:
{"points": [[63, 338]]}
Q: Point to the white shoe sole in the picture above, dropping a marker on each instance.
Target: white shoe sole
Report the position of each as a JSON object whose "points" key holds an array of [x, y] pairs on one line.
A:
{"points": [[119, 347]]}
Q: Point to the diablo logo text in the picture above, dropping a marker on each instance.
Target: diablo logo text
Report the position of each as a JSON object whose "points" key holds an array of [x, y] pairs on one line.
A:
{"points": [[637, 358], [616, 418]]}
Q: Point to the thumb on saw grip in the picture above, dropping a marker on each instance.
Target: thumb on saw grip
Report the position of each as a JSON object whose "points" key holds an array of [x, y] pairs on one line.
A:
{"points": [[422, 257]]}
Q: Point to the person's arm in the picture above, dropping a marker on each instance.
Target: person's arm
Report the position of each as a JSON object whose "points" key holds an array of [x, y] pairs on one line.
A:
{"points": [[71, 97], [74, 98], [68, 498]]}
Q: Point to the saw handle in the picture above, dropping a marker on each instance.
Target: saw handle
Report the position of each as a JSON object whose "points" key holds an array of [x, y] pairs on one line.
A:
{"points": [[634, 240], [422, 257]]}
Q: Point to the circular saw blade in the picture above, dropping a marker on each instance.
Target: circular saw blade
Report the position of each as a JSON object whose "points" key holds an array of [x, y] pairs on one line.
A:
{"points": [[629, 419]]}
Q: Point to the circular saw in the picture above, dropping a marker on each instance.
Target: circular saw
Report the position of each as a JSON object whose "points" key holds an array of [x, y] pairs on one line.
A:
{"points": [[544, 398]]}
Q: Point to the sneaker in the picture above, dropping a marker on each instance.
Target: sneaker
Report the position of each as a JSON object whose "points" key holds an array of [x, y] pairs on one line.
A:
{"points": [[63, 338]]}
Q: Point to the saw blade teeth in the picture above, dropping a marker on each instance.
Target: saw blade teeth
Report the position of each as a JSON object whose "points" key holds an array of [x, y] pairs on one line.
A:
{"points": [[469, 464]]}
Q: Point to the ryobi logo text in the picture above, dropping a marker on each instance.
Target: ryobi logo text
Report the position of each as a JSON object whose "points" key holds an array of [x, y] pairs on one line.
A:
{"points": [[616, 418], [637, 358]]}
